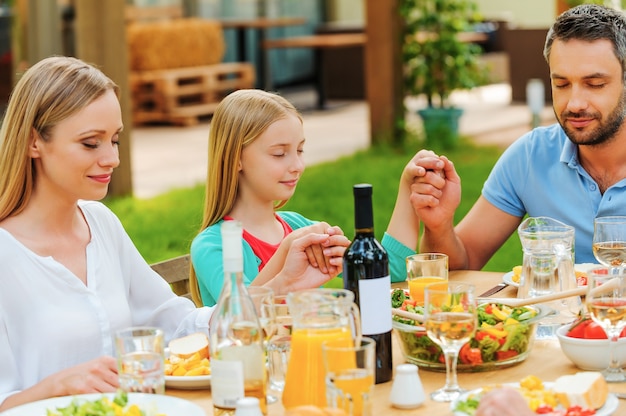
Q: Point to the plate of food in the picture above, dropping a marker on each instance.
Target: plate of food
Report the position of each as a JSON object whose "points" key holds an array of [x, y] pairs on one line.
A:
{"points": [[103, 404], [581, 393], [187, 365], [513, 277]]}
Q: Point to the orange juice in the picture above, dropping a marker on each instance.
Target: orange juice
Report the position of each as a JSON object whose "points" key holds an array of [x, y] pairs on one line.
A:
{"points": [[355, 386], [417, 285], [304, 382]]}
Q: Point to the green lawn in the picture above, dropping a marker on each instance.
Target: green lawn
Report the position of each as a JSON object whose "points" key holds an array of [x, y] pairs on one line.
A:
{"points": [[163, 227]]}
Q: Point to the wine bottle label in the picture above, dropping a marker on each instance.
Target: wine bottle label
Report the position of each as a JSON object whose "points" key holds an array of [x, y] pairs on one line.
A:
{"points": [[375, 305], [227, 383]]}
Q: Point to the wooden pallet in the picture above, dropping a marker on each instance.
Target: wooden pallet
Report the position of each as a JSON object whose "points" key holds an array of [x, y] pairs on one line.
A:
{"points": [[179, 96]]}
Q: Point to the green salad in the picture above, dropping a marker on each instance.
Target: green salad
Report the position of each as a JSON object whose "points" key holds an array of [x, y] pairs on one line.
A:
{"points": [[502, 333], [117, 406]]}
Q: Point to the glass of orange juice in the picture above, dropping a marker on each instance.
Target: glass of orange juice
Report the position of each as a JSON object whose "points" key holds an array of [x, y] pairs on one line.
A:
{"points": [[350, 370], [423, 269]]}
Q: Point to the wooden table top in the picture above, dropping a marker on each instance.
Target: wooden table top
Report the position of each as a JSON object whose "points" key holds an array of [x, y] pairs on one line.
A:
{"points": [[545, 361], [262, 22]]}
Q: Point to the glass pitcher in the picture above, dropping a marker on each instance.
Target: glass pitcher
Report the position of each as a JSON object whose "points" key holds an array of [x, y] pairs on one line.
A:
{"points": [[548, 267], [318, 315]]}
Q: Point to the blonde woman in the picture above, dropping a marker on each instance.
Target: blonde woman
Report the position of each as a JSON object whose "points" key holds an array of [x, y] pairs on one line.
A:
{"points": [[255, 161]]}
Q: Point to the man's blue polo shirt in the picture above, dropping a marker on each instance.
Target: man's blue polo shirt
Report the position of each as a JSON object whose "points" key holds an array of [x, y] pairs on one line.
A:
{"points": [[539, 175]]}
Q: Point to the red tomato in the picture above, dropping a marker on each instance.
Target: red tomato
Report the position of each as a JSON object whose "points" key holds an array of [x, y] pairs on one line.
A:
{"points": [[544, 409], [505, 355], [577, 330], [469, 355], [594, 331], [579, 411]]}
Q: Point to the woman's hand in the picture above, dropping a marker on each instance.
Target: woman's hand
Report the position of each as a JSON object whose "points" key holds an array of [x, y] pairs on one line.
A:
{"points": [[95, 376]]}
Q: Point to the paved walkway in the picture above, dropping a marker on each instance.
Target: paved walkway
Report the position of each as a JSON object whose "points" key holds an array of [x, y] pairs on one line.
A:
{"points": [[166, 157]]}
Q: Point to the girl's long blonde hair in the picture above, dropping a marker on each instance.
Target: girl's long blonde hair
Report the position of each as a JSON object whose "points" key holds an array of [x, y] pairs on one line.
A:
{"points": [[238, 120], [50, 91]]}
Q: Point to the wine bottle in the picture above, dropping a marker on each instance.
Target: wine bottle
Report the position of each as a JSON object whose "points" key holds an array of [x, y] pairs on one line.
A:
{"points": [[235, 334], [366, 273]]}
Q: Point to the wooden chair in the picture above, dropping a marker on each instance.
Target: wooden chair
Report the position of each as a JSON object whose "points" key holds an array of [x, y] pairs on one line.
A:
{"points": [[175, 271]]}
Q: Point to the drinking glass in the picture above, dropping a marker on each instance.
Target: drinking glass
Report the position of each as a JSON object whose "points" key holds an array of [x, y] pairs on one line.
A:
{"points": [[140, 360], [609, 241], [423, 269], [263, 299], [450, 320], [606, 303], [350, 371], [279, 344]]}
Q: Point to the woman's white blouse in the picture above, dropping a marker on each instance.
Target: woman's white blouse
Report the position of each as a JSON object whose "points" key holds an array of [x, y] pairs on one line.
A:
{"points": [[49, 320]]}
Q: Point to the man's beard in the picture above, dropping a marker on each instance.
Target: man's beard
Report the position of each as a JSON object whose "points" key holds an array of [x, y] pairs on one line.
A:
{"points": [[604, 133]]}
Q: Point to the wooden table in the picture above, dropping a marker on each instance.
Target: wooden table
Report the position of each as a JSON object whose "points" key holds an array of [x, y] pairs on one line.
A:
{"points": [[260, 26], [545, 361], [318, 43]]}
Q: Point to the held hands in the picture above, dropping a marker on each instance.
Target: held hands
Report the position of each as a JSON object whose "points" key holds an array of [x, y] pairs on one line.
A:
{"points": [[328, 257], [435, 187], [298, 273]]}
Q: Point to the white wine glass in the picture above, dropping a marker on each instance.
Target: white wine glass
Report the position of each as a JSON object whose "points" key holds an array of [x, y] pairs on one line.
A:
{"points": [[606, 303], [450, 320], [609, 241]]}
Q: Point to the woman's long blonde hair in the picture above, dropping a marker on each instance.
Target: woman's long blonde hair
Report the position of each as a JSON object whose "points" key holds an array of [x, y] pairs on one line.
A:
{"points": [[239, 119], [50, 91]]}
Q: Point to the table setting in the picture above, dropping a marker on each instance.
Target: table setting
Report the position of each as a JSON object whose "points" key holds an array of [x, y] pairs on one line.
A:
{"points": [[456, 335]]}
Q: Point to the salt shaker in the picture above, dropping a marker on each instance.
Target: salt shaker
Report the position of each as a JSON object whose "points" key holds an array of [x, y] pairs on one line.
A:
{"points": [[248, 406], [407, 391]]}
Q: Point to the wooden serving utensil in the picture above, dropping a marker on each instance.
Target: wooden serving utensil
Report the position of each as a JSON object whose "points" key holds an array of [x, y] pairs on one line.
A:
{"points": [[408, 315]]}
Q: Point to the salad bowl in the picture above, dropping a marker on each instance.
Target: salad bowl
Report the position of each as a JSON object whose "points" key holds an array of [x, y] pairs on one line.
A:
{"points": [[504, 337]]}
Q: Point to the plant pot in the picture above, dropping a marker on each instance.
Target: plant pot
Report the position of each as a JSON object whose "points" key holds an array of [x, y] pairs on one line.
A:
{"points": [[441, 126]]}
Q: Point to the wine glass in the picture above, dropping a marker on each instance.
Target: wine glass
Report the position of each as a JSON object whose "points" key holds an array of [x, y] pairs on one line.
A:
{"points": [[263, 299], [450, 320], [606, 303], [609, 241], [279, 344]]}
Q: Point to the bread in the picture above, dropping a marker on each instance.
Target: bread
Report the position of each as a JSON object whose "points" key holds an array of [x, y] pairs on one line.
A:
{"points": [[587, 389], [310, 410], [187, 346]]}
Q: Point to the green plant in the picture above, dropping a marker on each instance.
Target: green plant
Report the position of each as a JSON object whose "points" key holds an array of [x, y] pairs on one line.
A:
{"points": [[436, 60]]}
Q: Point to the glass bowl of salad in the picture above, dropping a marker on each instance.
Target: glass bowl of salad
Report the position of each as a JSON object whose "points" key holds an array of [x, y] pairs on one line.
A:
{"points": [[503, 338]]}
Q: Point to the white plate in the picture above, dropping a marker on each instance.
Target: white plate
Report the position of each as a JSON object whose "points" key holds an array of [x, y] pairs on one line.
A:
{"points": [[582, 267], [610, 406], [171, 406], [186, 382]]}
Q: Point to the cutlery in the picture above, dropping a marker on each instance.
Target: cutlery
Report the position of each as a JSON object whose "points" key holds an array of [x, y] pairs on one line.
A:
{"points": [[493, 290]]}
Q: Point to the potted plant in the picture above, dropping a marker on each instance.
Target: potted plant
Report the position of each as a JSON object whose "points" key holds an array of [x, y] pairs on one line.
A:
{"points": [[438, 61]]}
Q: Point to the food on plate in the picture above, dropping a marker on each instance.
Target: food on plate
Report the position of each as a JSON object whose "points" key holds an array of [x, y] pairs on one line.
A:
{"points": [[587, 328], [580, 394], [587, 389], [189, 356], [104, 406], [503, 334], [310, 410]]}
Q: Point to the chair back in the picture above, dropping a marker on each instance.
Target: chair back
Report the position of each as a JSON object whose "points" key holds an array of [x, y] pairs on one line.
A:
{"points": [[175, 271]]}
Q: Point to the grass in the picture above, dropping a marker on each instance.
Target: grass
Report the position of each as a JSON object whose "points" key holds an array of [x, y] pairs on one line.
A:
{"points": [[163, 227]]}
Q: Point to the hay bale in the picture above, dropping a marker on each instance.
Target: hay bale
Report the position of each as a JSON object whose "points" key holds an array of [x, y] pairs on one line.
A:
{"points": [[176, 43]]}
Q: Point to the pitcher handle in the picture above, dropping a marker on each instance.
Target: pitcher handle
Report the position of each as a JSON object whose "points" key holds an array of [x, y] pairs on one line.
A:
{"points": [[356, 324]]}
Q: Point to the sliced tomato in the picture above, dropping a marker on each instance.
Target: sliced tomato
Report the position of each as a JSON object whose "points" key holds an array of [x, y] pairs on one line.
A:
{"points": [[544, 409], [579, 411], [505, 355], [594, 331], [577, 329], [469, 355]]}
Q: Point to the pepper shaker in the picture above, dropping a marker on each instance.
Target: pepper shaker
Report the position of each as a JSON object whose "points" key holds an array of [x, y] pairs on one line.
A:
{"points": [[407, 391]]}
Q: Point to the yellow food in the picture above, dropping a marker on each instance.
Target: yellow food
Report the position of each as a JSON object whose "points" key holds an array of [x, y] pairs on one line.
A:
{"points": [[191, 366], [517, 274]]}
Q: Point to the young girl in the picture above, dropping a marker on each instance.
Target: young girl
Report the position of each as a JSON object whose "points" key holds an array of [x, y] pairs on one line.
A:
{"points": [[255, 161]]}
